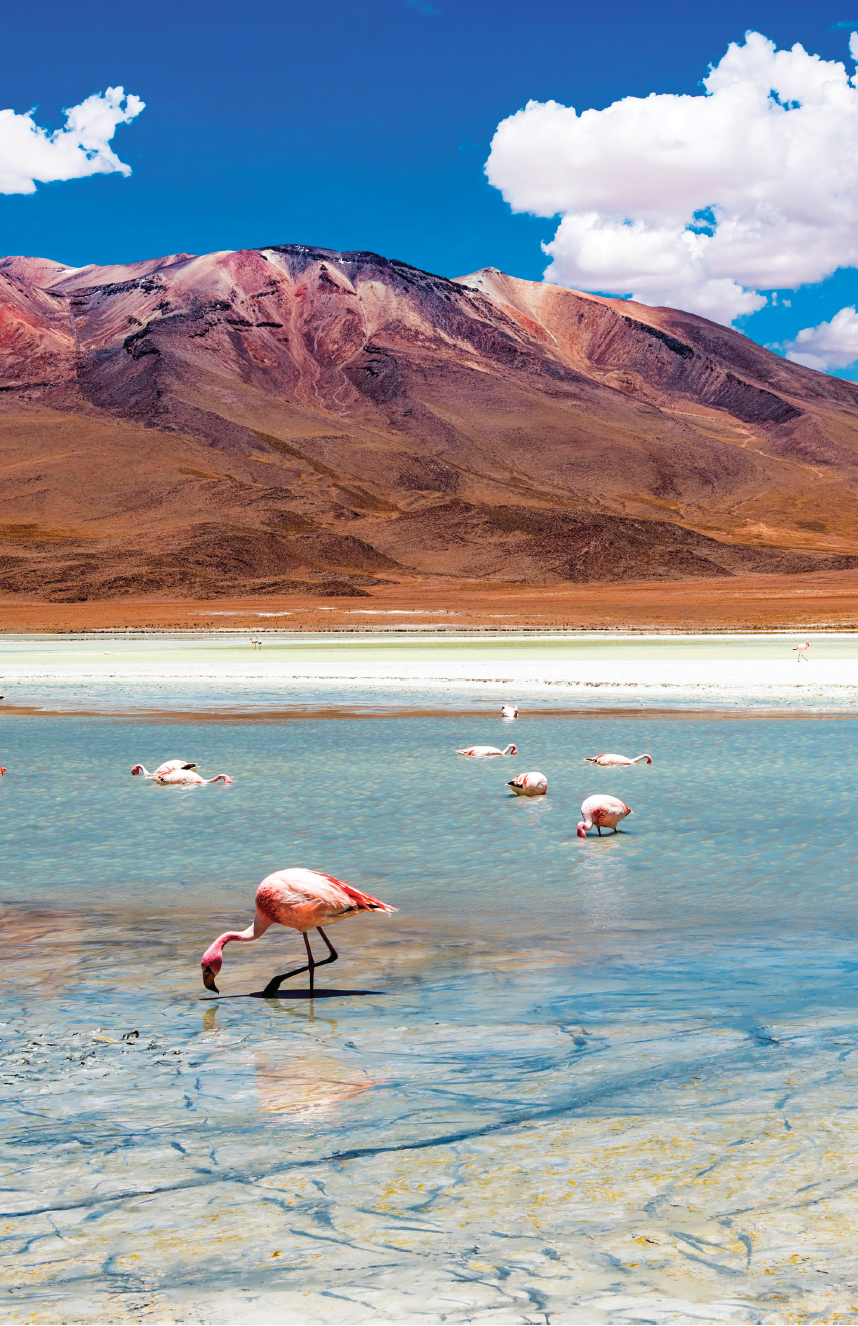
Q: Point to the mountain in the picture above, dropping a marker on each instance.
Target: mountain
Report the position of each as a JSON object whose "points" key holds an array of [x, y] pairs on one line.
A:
{"points": [[253, 421]]}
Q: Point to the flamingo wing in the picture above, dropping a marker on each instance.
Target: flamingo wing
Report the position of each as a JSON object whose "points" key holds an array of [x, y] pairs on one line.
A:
{"points": [[169, 766], [296, 887]]}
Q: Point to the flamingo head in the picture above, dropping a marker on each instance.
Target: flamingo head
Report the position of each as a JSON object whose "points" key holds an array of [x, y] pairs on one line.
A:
{"points": [[137, 771], [211, 963], [648, 759], [582, 829], [511, 749]]}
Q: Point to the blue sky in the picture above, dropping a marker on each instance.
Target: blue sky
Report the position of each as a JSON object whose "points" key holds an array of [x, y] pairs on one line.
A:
{"points": [[360, 124]]}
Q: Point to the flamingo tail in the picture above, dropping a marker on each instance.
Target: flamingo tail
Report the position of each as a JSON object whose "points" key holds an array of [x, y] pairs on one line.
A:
{"points": [[364, 902]]}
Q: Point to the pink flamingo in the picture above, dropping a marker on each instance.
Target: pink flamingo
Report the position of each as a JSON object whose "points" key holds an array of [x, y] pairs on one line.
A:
{"points": [[800, 651], [303, 900], [509, 711], [186, 777], [606, 761], [603, 811], [529, 784], [140, 771], [483, 752], [3, 768]]}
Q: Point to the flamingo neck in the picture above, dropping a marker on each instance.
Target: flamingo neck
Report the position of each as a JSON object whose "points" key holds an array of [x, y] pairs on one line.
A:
{"points": [[218, 778], [648, 759], [215, 949], [583, 827]]}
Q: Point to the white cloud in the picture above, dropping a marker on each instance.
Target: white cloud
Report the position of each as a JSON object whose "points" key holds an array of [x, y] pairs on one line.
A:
{"points": [[703, 201], [29, 154], [832, 344]]}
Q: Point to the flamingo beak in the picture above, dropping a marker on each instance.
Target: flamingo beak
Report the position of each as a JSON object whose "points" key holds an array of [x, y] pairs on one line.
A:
{"points": [[209, 980]]}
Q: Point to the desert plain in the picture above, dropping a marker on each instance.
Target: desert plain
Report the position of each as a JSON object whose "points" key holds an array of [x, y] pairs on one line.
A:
{"points": [[824, 600]]}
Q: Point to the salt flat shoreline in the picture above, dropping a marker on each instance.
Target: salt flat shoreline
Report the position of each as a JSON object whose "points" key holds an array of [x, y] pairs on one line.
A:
{"points": [[554, 670]]}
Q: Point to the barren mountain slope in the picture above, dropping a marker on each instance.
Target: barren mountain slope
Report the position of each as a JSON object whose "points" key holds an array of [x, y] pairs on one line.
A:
{"points": [[260, 418]]}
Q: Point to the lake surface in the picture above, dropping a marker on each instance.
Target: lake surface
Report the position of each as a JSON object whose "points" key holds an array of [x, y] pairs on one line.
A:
{"points": [[611, 1080]]}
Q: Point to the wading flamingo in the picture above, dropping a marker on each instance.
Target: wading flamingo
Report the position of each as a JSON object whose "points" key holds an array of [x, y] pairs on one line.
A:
{"points": [[3, 770], [303, 900], [140, 771], [483, 752], [603, 811], [605, 761], [186, 777], [800, 651], [509, 711], [529, 784]]}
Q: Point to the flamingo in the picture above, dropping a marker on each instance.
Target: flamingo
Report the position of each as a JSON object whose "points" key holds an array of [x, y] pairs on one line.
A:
{"points": [[303, 900], [603, 811], [186, 777], [168, 766], [529, 784], [605, 761], [3, 770], [800, 651], [509, 711], [483, 752]]}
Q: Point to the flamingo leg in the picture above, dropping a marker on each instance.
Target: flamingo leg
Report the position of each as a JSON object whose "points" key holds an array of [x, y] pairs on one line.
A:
{"points": [[276, 981], [599, 827], [311, 959], [331, 950], [274, 984]]}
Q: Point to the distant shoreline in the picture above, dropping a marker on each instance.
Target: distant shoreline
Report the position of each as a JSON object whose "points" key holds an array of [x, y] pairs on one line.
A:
{"points": [[220, 673], [820, 601]]}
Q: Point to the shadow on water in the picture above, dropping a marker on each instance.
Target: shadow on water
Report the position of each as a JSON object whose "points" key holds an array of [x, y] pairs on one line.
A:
{"points": [[297, 994]]}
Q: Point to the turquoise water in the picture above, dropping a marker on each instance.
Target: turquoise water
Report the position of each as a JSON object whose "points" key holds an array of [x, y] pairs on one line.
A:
{"points": [[608, 1080]]}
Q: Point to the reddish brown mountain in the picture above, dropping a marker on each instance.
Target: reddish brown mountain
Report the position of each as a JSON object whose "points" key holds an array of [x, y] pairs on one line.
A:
{"points": [[260, 419]]}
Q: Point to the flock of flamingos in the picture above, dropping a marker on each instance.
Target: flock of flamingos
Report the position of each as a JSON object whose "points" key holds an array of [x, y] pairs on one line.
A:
{"points": [[305, 900]]}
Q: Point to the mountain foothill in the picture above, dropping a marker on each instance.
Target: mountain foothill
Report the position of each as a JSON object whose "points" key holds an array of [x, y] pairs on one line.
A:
{"points": [[291, 419]]}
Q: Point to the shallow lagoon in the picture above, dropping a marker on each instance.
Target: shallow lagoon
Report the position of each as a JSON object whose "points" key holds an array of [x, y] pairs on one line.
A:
{"points": [[580, 1081]]}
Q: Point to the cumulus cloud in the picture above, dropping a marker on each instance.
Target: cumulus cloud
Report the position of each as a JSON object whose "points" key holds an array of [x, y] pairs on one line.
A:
{"points": [[832, 344], [699, 202], [31, 155]]}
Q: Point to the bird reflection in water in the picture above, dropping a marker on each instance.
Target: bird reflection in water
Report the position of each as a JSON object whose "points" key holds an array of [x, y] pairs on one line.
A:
{"points": [[307, 1080], [302, 1076]]}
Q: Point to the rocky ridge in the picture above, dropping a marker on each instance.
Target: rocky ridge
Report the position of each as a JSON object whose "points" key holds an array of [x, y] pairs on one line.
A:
{"points": [[274, 418]]}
